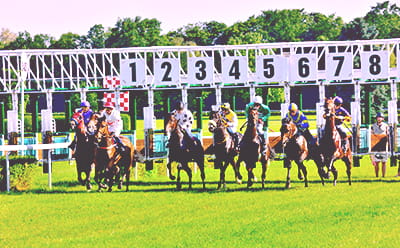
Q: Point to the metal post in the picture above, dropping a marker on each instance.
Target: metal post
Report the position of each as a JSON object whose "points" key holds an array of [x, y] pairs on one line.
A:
{"points": [[49, 166], [199, 113], [3, 117], [35, 114], [8, 171], [133, 111]]}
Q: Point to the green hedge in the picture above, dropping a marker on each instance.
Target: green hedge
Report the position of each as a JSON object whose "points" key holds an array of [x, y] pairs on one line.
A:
{"points": [[21, 168]]}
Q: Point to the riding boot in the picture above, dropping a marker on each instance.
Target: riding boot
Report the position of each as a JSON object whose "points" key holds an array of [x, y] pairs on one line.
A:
{"points": [[344, 145], [72, 145], [236, 142], [120, 146]]}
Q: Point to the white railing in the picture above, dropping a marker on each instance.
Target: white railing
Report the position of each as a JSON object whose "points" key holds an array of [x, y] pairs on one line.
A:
{"points": [[48, 147]]}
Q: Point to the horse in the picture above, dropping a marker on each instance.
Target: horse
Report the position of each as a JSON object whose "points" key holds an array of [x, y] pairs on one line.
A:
{"points": [[84, 151], [223, 147], [296, 148], [110, 165], [183, 155], [251, 150], [331, 143]]}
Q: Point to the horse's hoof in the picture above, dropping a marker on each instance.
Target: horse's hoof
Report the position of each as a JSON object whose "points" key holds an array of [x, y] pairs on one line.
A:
{"points": [[110, 189], [239, 181], [172, 177], [301, 177], [249, 184], [287, 185], [88, 186], [120, 185], [102, 186]]}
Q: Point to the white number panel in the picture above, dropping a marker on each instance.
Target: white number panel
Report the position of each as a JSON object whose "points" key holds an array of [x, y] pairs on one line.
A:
{"points": [[398, 60], [166, 71], [303, 67], [133, 72], [272, 68], [234, 69], [339, 66], [201, 70], [374, 65]]}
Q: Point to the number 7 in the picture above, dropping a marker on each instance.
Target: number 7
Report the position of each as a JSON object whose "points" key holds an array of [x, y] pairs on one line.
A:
{"points": [[340, 60]]}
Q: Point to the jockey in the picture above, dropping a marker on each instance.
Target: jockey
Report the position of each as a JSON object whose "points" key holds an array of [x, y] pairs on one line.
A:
{"points": [[114, 122], [264, 112], [301, 121], [230, 120], [86, 114], [341, 115], [185, 120]]}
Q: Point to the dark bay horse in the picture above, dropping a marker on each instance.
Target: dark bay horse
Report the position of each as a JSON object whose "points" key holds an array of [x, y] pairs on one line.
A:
{"points": [[251, 149], [224, 148], [84, 151], [331, 146], [183, 155], [110, 165], [296, 149]]}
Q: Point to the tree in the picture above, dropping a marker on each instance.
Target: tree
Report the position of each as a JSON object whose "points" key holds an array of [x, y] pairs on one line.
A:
{"points": [[6, 37], [323, 28], [386, 18], [202, 33], [135, 33], [96, 38], [67, 41]]}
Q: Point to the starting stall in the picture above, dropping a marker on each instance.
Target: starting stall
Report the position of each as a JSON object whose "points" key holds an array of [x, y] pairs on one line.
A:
{"points": [[292, 65]]}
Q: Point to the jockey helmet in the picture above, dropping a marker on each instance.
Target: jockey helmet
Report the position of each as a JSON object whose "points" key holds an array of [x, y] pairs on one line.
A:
{"points": [[85, 104], [258, 99], [293, 107], [338, 100], [108, 105], [379, 114], [180, 105], [226, 105]]}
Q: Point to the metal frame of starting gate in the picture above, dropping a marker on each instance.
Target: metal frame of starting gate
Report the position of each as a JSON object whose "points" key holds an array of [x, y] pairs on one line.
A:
{"points": [[287, 65]]}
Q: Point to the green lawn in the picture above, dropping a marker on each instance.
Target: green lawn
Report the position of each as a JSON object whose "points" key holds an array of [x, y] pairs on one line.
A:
{"points": [[155, 214]]}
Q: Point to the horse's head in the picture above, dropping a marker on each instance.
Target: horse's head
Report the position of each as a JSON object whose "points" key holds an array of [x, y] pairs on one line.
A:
{"points": [[253, 117], [288, 130], [77, 123], [329, 107], [171, 123], [101, 130]]}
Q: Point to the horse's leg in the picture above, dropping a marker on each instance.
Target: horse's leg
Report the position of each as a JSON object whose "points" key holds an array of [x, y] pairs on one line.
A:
{"points": [[200, 164], [189, 173], [288, 165], [264, 172], [250, 175], [347, 161], [88, 184], [127, 176], [335, 174], [222, 175], [237, 171], [304, 170], [169, 169], [178, 179]]}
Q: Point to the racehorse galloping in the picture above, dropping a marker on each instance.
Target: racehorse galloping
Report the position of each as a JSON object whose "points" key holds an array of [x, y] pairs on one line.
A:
{"points": [[296, 149], [84, 151], [111, 165], [331, 147], [183, 154], [251, 149], [224, 148]]}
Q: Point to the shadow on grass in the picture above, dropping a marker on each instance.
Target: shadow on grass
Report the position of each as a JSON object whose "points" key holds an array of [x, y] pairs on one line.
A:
{"points": [[62, 187]]}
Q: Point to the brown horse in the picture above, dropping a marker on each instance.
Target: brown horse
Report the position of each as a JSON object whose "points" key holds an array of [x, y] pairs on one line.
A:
{"points": [[251, 150], [84, 151], [296, 149], [110, 165], [183, 150], [331, 146], [223, 147]]}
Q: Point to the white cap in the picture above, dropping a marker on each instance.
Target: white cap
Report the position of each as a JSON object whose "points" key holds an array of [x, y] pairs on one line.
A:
{"points": [[258, 99]]}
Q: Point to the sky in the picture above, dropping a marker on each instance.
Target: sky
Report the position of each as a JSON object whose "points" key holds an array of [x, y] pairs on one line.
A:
{"points": [[55, 17]]}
